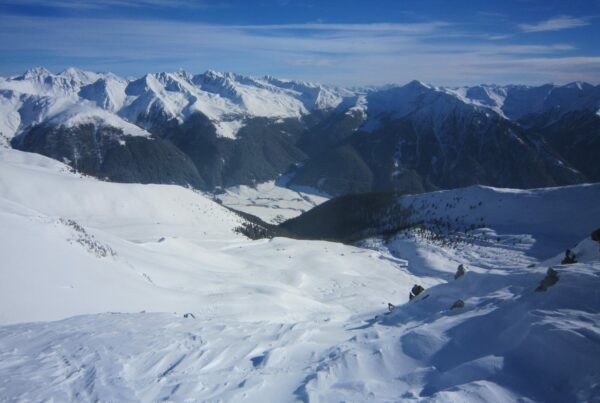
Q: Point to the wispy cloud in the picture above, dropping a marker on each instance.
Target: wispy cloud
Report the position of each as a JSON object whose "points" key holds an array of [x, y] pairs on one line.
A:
{"points": [[406, 28], [497, 37], [555, 24], [344, 54], [111, 4]]}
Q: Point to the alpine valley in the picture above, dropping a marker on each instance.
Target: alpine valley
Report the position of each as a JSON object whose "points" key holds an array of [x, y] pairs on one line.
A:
{"points": [[221, 129]]}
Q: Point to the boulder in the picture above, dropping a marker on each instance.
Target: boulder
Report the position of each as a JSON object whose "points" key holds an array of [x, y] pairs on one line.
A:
{"points": [[416, 290], [548, 281], [596, 235], [570, 257], [458, 304], [460, 271]]}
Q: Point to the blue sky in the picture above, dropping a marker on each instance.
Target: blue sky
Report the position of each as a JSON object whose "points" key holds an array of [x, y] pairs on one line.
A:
{"points": [[444, 42]]}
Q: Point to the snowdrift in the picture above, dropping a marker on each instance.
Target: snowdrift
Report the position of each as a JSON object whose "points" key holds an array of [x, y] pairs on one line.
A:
{"points": [[97, 278]]}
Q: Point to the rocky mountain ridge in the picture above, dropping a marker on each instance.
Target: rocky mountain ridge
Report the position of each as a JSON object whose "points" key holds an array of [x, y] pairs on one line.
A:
{"points": [[223, 129]]}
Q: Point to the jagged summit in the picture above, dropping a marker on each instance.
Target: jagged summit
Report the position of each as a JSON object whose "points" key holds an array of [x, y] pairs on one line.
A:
{"points": [[221, 96], [420, 136], [34, 72], [227, 96]]}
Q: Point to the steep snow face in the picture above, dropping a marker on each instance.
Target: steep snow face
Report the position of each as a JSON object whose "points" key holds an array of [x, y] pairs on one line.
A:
{"points": [[10, 118], [313, 96], [489, 96], [401, 101], [40, 81], [429, 108], [227, 99], [107, 92], [26, 176], [252, 96], [553, 218], [420, 99], [71, 98], [518, 101]]}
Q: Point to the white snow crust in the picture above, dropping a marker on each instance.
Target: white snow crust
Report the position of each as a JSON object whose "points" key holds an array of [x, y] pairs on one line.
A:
{"points": [[97, 278]]}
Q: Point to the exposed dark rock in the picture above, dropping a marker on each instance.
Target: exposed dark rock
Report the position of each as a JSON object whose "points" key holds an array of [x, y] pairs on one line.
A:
{"points": [[569, 258], [416, 290], [596, 235], [548, 281], [460, 271], [458, 304]]}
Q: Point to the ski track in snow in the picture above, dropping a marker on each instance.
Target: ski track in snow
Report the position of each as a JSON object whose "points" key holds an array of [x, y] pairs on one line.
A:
{"points": [[97, 278]]}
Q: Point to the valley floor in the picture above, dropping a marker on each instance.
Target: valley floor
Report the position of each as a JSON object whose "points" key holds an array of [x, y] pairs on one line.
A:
{"points": [[98, 278]]}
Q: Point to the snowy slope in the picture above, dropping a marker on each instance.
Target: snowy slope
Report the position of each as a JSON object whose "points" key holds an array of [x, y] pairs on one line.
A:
{"points": [[270, 202], [174, 250], [227, 99], [40, 97], [508, 343], [517, 101], [548, 220], [289, 319], [429, 107], [293, 320], [74, 97]]}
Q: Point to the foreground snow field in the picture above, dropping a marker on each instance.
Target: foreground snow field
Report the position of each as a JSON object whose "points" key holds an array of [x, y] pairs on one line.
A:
{"points": [[97, 277]]}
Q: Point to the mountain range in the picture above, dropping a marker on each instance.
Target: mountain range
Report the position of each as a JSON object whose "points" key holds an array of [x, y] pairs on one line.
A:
{"points": [[217, 129]]}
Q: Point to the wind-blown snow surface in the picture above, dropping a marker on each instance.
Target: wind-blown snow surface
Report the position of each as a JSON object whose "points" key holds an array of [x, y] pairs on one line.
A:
{"points": [[174, 250], [287, 319]]}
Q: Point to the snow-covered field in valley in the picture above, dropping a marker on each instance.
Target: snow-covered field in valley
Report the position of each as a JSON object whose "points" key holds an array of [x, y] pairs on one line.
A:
{"points": [[97, 279], [270, 202]]}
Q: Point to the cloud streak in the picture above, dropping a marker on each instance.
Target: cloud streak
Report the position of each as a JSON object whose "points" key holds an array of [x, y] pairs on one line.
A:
{"points": [[344, 54], [109, 4], [555, 24]]}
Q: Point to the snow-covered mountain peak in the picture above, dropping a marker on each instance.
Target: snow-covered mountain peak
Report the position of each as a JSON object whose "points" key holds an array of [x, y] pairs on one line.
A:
{"points": [[518, 101], [401, 100], [417, 84], [41, 81], [578, 85], [107, 92], [80, 76], [228, 100], [216, 81], [35, 73], [181, 72]]}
